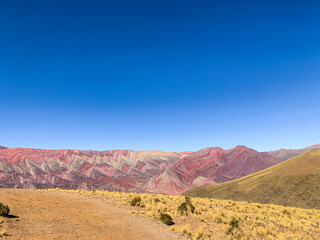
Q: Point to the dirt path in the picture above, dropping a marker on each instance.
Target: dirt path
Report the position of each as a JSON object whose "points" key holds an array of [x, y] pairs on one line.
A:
{"points": [[59, 215]]}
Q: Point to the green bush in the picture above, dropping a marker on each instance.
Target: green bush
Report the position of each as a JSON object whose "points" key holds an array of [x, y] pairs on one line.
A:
{"points": [[4, 210], [166, 219], [234, 223], [136, 201], [187, 205]]}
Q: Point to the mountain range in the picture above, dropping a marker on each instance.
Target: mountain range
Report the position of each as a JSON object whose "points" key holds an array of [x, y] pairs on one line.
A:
{"points": [[294, 182], [127, 170]]}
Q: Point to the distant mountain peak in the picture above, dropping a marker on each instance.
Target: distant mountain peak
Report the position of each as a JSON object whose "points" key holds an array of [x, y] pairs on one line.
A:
{"points": [[245, 147]]}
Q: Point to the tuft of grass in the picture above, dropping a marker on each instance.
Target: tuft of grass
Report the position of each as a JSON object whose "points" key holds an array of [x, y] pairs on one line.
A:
{"points": [[286, 212], [4, 232], [234, 223], [136, 201]]}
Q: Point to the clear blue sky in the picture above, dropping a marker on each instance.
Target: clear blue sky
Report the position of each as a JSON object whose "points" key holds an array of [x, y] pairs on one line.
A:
{"points": [[167, 75]]}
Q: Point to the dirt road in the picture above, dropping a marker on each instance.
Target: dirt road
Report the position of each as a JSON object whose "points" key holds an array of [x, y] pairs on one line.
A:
{"points": [[59, 215]]}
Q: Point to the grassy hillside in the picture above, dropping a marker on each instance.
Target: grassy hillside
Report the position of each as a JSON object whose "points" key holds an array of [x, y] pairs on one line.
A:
{"points": [[295, 182], [211, 219]]}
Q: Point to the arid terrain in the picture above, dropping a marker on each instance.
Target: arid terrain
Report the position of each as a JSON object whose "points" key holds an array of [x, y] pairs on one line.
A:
{"points": [[60, 215], [209, 219], [134, 171], [280, 202]]}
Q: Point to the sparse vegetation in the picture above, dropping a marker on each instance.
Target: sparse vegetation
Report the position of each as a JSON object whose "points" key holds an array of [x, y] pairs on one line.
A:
{"points": [[4, 210], [221, 219]]}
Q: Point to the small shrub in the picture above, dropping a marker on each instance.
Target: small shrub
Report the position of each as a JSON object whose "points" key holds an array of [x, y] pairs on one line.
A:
{"points": [[234, 223], [166, 219], [4, 210], [136, 201], [184, 207]]}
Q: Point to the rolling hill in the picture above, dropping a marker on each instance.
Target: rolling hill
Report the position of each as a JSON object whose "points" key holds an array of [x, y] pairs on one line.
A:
{"points": [[285, 154], [295, 182]]}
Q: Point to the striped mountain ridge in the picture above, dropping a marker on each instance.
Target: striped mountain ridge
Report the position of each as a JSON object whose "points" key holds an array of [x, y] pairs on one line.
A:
{"points": [[114, 169], [127, 170]]}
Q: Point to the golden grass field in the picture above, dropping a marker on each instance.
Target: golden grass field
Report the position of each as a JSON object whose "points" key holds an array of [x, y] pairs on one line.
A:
{"points": [[212, 218]]}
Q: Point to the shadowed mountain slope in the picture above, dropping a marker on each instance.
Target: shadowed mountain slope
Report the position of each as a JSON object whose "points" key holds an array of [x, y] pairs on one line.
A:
{"points": [[294, 182]]}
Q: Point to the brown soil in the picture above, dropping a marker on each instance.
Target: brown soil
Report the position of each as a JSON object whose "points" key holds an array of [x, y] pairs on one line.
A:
{"points": [[60, 215]]}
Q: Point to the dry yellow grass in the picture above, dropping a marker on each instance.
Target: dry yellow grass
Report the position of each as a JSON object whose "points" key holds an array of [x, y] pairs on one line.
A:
{"points": [[3, 230], [211, 218]]}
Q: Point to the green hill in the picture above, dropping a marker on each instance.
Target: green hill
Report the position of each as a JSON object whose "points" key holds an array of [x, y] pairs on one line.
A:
{"points": [[295, 182]]}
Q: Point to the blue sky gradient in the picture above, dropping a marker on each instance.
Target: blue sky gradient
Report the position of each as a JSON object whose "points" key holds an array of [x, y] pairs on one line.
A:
{"points": [[166, 75]]}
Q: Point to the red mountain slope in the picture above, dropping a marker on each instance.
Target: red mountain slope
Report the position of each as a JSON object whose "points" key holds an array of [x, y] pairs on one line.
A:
{"points": [[150, 171], [115, 169], [208, 166]]}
